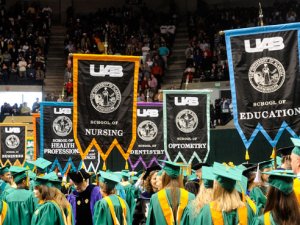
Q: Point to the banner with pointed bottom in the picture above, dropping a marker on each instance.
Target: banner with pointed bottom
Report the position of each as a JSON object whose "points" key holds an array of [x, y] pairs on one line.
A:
{"points": [[56, 140], [92, 161], [265, 81], [186, 125], [36, 135], [105, 102], [149, 145], [13, 143]]}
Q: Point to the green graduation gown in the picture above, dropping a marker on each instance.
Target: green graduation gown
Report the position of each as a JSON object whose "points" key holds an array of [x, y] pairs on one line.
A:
{"points": [[260, 220], [22, 204], [230, 218], [3, 187], [259, 198], [155, 213], [130, 198], [102, 215], [47, 213]]}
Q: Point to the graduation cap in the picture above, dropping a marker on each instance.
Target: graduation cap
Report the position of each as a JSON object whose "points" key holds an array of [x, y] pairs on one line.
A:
{"points": [[248, 165], [192, 177], [282, 180], [109, 179], [41, 164], [79, 176], [250, 170], [226, 175], [150, 169], [296, 149], [285, 151], [241, 186], [208, 176], [266, 164], [198, 166], [125, 174], [4, 170], [50, 180], [19, 173], [172, 169], [160, 173]]}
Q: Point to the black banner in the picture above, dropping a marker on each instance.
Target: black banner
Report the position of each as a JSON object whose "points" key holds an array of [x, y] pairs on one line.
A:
{"points": [[186, 128], [58, 144], [13, 144], [105, 94], [265, 81], [92, 161], [149, 145]]}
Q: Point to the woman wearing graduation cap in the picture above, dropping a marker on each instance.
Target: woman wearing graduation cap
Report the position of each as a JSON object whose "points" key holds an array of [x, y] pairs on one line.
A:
{"points": [[282, 207], [167, 205], [149, 184], [50, 210], [204, 196], [111, 210], [227, 208]]}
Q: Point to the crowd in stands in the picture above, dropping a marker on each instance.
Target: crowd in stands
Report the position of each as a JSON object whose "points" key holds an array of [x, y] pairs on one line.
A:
{"points": [[206, 57], [136, 31], [24, 40], [19, 109]]}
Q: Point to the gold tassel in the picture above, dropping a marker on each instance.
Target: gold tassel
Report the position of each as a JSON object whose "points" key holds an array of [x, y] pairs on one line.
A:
{"points": [[247, 157], [104, 166], [126, 165], [273, 154]]}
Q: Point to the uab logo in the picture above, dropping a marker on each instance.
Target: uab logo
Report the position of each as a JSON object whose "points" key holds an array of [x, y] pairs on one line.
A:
{"points": [[191, 101], [60, 111], [270, 44], [147, 112], [10, 130], [108, 70]]}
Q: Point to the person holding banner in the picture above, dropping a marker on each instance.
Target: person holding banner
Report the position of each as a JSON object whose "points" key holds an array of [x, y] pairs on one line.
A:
{"points": [[227, 205], [167, 205], [84, 198], [112, 209], [282, 206], [20, 200]]}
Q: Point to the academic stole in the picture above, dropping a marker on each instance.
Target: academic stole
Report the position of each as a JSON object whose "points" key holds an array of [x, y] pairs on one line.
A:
{"points": [[112, 210], [217, 216], [167, 210], [267, 220], [3, 213]]}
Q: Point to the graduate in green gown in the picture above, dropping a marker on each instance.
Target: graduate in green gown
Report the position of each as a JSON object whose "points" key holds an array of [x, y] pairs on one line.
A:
{"points": [[21, 201], [205, 195], [167, 206], [112, 209], [227, 208], [282, 206], [50, 211], [129, 191], [5, 180]]}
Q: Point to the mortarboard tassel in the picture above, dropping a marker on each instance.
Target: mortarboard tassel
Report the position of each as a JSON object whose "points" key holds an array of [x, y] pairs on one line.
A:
{"points": [[247, 157], [258, 175]]}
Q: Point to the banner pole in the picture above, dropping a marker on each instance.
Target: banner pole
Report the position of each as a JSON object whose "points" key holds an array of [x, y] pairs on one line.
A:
{"points": [[260, 15], [186, 81]]}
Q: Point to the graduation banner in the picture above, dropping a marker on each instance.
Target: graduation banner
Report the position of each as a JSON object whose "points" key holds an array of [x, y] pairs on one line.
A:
{"points": [[105, 102], [265, 81], [36, 135], [29, 149], [149, 145], [91, 162], [186, 125], [56, 140], [13, 144]]}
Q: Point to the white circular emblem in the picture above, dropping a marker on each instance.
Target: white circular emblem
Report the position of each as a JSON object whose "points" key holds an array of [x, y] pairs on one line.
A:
{"points": [[12, 141], [62, 126], [105, 97], [147, 130], [186, 121], [266, 75]]}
